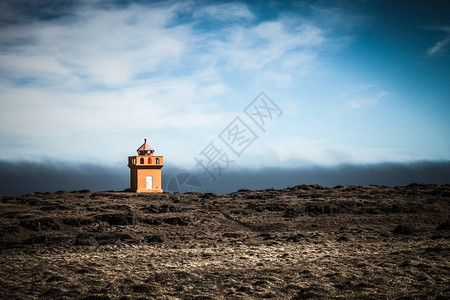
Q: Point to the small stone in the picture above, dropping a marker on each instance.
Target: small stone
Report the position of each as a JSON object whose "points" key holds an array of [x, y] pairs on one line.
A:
{"points": [[36, 240], [295, 238], [231, 235], [443, 226], [85, 240], [342, 239], [156, 238], [404, 229]]}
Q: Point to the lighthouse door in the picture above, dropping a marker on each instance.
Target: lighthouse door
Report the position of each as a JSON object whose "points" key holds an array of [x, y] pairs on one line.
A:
{"points": [[149, 182]]}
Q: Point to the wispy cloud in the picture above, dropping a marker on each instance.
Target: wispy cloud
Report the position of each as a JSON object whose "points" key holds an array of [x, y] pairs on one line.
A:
{"points": [[364, 95], [368, 101], [355, 90], [441, 46], [269, 45], [225, 12]]}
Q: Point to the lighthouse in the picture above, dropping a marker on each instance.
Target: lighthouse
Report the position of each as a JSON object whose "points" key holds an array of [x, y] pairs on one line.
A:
{"points": [[145, 170]]}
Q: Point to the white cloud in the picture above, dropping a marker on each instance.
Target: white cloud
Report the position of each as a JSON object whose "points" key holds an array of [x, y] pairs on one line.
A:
{"points": [[106, 75], [355, 90], [225, 12], [440, 46], [361, 101], [111, 48], [269, 46], [107, 47]]}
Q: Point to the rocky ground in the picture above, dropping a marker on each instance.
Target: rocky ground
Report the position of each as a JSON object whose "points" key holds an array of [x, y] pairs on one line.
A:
{"points": [[301, 242]]}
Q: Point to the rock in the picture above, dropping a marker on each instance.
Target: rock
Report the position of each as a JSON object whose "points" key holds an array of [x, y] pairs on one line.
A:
{"points": [[265, 236], [177, 221], [437, 248], [372, 210], [295, 238], [404, 229], [161, 209], [55, 278], [96, 297], [31, 224], [54, 207], [52, 293], [316, 186], [444, 226], [231, 235], [244, 288], [7, 199], [85, 240], [10, 245], [311, 292], [124, 236], [320, 209], [292, 213], [141, 288], [77, 221], [208, 195], [301, 187], [39, 224], [117, 207], [156, 238], [108, 240], [151, 209], [50, 223], [118, 219], [265, 207], [363, 285], [436, 237], [42, 239], [8, 230], [114, 239], [81, 191], [395, 208], [151, 221], [342, 239], [257, 196], [275, 207]]}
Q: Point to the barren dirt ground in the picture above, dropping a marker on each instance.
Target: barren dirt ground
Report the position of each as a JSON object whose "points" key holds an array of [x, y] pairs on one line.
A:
{"points": [[297, 243]]}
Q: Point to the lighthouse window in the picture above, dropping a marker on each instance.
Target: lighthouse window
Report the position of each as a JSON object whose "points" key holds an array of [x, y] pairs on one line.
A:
{"points": [[142, 160], [157, 160], [149, 161]]}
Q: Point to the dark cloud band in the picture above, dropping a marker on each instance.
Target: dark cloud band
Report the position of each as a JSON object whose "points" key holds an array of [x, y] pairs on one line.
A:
{"points": [[29, 177]]}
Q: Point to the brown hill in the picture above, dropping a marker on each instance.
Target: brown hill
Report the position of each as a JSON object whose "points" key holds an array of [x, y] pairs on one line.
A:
{"points": [[297, 243]]}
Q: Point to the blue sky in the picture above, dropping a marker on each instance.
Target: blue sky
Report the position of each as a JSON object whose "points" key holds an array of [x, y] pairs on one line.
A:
{"points": [[358, 81]]}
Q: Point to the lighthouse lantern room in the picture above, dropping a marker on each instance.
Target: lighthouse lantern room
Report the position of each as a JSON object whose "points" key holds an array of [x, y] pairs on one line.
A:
{"points": [[145, 170]]}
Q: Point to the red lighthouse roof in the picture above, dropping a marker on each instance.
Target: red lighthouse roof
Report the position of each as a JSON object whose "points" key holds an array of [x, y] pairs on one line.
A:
{"points": [[145, 149]]}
